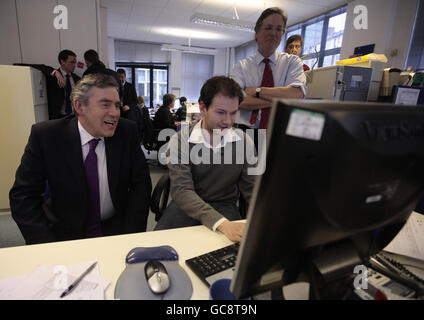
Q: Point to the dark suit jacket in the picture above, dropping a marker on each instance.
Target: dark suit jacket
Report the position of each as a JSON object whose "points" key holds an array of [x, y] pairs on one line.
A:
{"points": [[56, 94], [99, 67], [164, 119], [54, 154], [129, 98]]}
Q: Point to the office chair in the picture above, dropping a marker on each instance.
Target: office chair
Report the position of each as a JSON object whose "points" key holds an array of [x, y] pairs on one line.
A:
{"points": [[160, 195]]}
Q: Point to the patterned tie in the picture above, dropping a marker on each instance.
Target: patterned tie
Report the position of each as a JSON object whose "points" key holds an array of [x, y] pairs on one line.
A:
{"points": [[267, 81], [93, 225], [68, 91]]}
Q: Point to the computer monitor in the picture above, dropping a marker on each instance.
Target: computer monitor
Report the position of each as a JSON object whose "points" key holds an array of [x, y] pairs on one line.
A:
{"points": [[341, 179]]}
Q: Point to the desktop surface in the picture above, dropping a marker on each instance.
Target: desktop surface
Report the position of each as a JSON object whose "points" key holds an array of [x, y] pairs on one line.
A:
{"points": [[110, 252]]}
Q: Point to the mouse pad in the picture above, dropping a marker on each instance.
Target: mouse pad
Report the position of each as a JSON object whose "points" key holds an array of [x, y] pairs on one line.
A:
{"points": [[132, 283]]}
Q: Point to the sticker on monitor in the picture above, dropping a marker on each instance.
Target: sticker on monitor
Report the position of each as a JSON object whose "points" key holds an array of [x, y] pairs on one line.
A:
{"points": [[305, 124]]}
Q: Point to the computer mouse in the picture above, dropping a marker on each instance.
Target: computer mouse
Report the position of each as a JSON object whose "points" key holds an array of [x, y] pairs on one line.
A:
{"points": [[156, 276]]}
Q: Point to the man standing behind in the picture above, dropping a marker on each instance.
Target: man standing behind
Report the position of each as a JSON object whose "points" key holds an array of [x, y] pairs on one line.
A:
{"points": [[209, 174], [99, 183], [269, 73], [129, 98], [294, 46], [59, 92], [94, 65]]}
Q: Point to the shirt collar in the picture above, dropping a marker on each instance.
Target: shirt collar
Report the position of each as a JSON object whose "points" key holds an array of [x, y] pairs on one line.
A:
{"points": [[272, 58], [64, 73], [85, 136], [197, 136]]}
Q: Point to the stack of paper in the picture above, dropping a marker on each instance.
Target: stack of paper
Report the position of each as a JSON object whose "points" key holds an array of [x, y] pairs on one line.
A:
{"points": [[410, 240], [49, 281]]}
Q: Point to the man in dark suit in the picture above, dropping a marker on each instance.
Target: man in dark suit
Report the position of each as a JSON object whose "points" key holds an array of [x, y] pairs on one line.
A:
{"points": [[94, 65], [98, 180], [163, 117], [129, 98], [60, 84]]}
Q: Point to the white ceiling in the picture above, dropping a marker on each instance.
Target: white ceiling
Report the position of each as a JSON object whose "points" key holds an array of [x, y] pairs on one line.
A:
{"points": [[168, 21]]}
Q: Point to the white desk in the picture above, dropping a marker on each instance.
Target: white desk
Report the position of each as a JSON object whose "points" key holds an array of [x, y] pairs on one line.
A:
{"points": [[110, 252]]}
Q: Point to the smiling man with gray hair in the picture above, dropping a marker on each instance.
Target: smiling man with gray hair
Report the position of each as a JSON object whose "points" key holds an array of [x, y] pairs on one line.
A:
{"points": [[97, 177]]}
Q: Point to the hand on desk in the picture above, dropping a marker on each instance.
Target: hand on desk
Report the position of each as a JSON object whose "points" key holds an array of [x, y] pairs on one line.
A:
{"points": [[232, 230]]}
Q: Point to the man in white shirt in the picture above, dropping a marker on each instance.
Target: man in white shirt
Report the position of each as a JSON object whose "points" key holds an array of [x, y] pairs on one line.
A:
{"points": [[210, 168], [269, 73]]}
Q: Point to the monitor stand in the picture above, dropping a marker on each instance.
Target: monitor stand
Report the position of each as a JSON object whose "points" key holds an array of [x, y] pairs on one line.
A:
{"points": [[329, 270]]}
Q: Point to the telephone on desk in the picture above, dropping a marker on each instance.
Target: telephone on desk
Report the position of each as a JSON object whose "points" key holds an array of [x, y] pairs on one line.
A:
{"points": [[394, 277]]}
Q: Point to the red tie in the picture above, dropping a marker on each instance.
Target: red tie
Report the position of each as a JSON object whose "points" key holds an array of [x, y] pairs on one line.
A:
{"points": [[267, 81]]}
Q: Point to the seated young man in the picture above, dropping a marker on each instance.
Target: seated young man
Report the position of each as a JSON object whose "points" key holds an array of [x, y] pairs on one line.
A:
{"points": [[208, 165]]}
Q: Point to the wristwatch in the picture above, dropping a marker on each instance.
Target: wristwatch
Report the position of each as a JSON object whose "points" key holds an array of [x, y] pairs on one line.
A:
{"points": [[258, 90]]}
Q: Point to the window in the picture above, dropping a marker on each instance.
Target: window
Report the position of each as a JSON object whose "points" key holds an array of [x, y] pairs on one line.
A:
{"points": [[195, 70], [151, 80], [322, 38], [415, 59], [245, 50]]}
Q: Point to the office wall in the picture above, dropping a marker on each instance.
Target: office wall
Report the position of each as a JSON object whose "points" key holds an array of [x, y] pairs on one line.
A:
{"points": [[27, 33], [10, 51], [390, 24], [221, 62]]}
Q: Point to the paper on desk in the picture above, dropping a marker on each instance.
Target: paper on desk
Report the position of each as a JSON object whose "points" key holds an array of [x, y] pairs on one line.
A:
{"points": [[49, 281], [410, 240]]}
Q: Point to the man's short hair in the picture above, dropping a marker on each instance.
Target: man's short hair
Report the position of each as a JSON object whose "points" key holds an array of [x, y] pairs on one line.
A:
{"points": [[267, 12], [64, 54], [167, 99], [91, 56], [82, 90], [122, 71], [220, 85], [295, 37]]}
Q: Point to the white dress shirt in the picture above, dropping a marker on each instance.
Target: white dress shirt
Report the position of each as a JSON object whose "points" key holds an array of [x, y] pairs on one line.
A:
{"points": [[106, 207], [287, 70]]}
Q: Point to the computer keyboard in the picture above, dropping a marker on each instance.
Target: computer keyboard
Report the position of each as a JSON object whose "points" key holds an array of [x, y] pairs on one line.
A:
{"points": [[214, 265]]}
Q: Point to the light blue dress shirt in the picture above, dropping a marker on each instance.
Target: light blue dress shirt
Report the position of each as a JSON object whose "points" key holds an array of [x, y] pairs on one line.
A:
{"points": [[287, 70]]}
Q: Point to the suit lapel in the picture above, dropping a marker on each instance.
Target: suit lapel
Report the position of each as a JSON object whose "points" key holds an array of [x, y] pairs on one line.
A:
{"points": [[113, 146], [73, 151]]}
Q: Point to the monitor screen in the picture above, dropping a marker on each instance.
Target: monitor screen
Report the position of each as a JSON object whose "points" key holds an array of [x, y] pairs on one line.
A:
{"points": [[336, 173], [364, 50]]}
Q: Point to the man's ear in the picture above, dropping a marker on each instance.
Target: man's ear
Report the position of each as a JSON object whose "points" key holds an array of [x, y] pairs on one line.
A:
{"points": [[78, 107], [202, 108]]}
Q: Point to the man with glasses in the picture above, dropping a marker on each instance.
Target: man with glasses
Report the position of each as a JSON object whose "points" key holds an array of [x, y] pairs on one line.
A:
{"points": [[269, 73], [294, 46]]}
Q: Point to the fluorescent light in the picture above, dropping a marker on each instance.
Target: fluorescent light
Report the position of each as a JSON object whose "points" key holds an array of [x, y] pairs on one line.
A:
{"points": [[218, 21], [176, 47], [186, 32]]}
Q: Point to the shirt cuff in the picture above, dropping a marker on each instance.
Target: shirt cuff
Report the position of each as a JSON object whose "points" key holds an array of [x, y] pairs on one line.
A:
{"points": [[218, 223]]}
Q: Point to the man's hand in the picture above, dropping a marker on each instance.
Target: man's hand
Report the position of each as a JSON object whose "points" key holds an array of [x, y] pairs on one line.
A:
{"points": [[60, 81], [232, 230], [125, 108]]}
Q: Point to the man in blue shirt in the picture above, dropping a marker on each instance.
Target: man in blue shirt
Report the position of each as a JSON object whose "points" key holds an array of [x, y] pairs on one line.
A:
{"points": [[269, 73]]}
